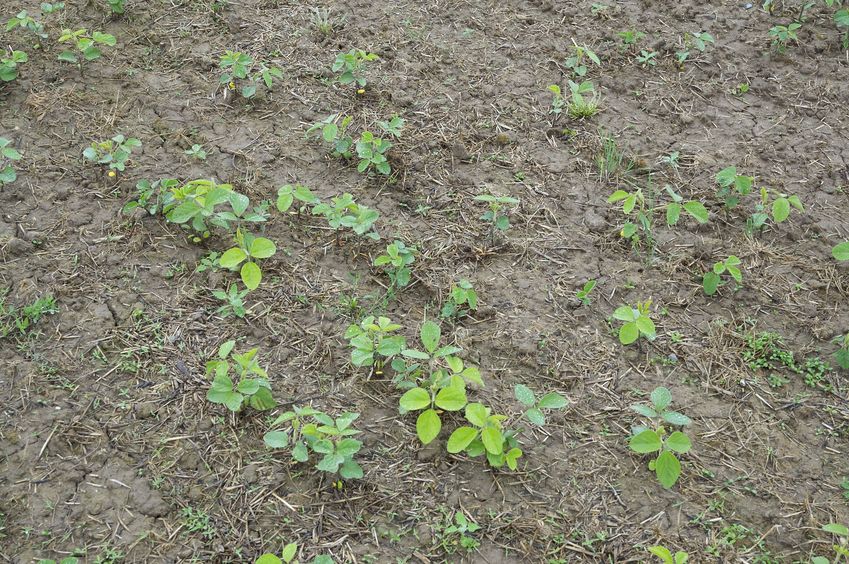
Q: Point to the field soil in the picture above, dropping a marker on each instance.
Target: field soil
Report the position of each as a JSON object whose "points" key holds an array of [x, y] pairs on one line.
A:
{"points": [[108, 445]]}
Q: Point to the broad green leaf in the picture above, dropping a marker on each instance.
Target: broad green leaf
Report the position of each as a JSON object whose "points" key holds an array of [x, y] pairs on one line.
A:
{"points": [[678, 442], [330, 463], [348, 447], [646, 327], [451, 398], [428, 426], [644, 410], [251, 275], [645, 442], [535, 416], [617, 196], [289, 551], [512, 456], [460, 439], [624, 313], [262, 400], [232, 258], [663, 553], [248, 387], [262, 248], [524, 394], [628, 333], [430, 333], [414, 399], [661, 397], [276, 439], [675, 418], [667, 468], [673, 212], [841, 251], [780, 209], [476, 414], [492, 440], [268, 558], [412, 353], [552, 400], [300, 452], [710, 283], [350, 470], [836, 529], [697, 210], [726, 176]]}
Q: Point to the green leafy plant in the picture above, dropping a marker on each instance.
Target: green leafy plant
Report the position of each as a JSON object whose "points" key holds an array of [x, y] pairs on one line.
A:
{"points": [[241, 67], [87, 45], [636, 322], [779, 209], [350, 66], [485, 436], [287, 194], [630, 38], [584, 101], [698, 41], [9, 64], [20, 320], [841, 19], [287, 555], [558, 103], [840, 548], [25, 21], [646, 440], [252, 388], [196, 151], [455, 533], [666, 556], [713, 277], [584, 293], [332, 130], [577, 61], [839, 252], [113, 152], [439, 385], [732, 186], [841, 356], [196, 204], [248, 248], [323, 435], [343, 211], [371, 151], [782, 35], [462, 297], [392, 127], [8, 155], [234, 302], [496, 216], [371, 342], [152, 196], [534, 406], [396, 261], [117, 6], [647, 58]]}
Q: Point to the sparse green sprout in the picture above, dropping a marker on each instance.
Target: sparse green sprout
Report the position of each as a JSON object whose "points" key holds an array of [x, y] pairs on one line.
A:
{"points": [[252, 388], [630, 38], [396, 261], [584, 293], [234, 302], [636, 322], [9, 64], [646, 440], [335, 133], [713, 277], [393, 127], [322, 22], [287, 194], [585, 101], [558, 103], [151, 196], [666, 556], [344, 212], [117, 6], [741, 89], [462, 296], [577, 63], [323, 435], [20, 320], [248, 248], [114, 152], [782, 35], [8, 155], [485, 436], [372, 343], [497, 218], [350, 66], [533, 406], [646, 58], [455, 533], [733, 186], [88, 45], [780, 209], [238, 66], [698, 41], [24, 21], [196, 151]]}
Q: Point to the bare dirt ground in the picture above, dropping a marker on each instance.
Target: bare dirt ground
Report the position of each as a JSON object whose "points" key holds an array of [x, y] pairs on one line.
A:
{"points": [[108, 445]]}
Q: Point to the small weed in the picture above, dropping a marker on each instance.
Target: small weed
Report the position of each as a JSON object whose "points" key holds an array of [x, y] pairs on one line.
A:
{"points": [[667, 557], [343, 211], [782, 35], [196, 151], [584, 293], [371, 342], [114, 152], [698, 41], [455, 533], [350, 66], [197, 521], [20, 320], [242, 68], [577, 61], [234, 302]]}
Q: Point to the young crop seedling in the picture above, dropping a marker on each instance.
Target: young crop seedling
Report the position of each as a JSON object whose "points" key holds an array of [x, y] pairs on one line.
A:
{"points": [[534, 407], [335, 133], [371, 342], [350, 66], [630, 38], [344, 212], [485, 436], [584, 293], [647, 58], [733, 186], [195, 204], [9, 64], [240, 67], [196, 151], [396, 261], [666, 556], [462, 297], [114, 152], [371, 151], [234, 302], [287, 194], [455, 532], [646, 440], [840, 548], [698, 41], [577, 63], [325, 436], [782, 35], [841, 19], [24, 21], [87, 45], [151, 197], [435, 387], [117, 6], [247, 249], [8, 155], [496, 216], [713, 278], [252, 389], [287, 556], [780, 209], [636, 322]]}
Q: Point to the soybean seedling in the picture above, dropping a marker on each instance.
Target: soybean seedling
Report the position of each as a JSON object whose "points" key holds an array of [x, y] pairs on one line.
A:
{"points": [[234, 302], [87, 45], [534, 407], [117, 6], [287, 194], [196, 151], [841, 19], [287, 555], [839, 252], [840, 548], [151, 196], [371, 151], [666, 556], [335, 134], [713, 277], [396, 261], [496, 216], [113, 152], [733, 186], [782, 35], [485, 436], [584, 293], [8, 156], [350, 66], [9, 64], [252, 388], [24, 21], [372, 343], [439, 382], [197, 202], [576, 62], [841, 357], [325, 436], [779, 209], [240, 67], [343, 211], [462, 297], [248, 248], [637, 322], [698, 41], [646, 440]]}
